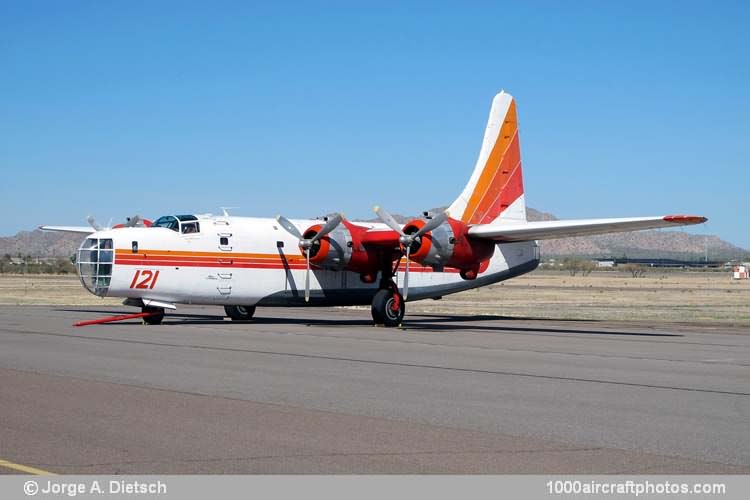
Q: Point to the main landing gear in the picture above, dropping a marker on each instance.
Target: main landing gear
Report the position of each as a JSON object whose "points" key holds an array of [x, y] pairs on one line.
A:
{"points": [[388, 308], [240, 313], [388, 305]]}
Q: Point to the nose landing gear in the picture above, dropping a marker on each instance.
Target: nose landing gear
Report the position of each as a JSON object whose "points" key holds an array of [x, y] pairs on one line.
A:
{"points": [[155, 315]]}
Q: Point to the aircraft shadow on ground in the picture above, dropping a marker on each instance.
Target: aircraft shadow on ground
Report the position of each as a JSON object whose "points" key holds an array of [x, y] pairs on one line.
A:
{"points": [[422, 322], [415, 325]]}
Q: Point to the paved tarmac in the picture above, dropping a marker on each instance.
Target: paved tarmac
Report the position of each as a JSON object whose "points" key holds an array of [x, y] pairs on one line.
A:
{"points": [[323, 391]]}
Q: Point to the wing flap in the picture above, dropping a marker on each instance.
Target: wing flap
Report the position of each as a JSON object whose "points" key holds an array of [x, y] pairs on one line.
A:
{"points": [[544, 230]]}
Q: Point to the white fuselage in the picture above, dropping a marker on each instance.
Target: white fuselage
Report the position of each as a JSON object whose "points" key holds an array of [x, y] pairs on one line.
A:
{"points": [[252, 261]]}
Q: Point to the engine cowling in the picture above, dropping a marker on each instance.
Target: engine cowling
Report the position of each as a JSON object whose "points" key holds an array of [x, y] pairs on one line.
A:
{"points": [[342, 249], [448, 245]]}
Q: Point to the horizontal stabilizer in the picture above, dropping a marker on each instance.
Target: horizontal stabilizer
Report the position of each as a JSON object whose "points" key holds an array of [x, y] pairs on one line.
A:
{"points": [[545, 230], [69, 229]]}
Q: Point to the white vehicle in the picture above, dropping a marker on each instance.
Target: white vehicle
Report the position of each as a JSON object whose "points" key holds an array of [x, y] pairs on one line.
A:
{"points": [[243, 262]]}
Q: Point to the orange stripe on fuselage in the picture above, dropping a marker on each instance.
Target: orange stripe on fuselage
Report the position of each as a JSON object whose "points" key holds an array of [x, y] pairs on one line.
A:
{"points": [[223, 265], [127, 251], [207, 258], [505, 139]]}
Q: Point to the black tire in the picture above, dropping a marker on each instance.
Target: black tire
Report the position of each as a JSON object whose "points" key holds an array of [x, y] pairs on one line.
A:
{"points": [[376, 307], [240, 313], [154, 319], [381, 310]]}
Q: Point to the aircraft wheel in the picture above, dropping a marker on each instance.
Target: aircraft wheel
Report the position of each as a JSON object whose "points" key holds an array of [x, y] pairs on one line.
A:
{"points": [[154, 319], [382, 308], [240, 313]]}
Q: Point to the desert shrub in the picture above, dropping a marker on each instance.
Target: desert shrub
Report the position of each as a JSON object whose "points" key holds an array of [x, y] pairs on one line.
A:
{"points": [[635, 270]]}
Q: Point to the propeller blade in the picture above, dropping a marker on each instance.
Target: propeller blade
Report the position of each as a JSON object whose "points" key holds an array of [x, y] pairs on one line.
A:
{"points": [[288, 226], [92, 222], [133, 221], [389, 220], [307, 277], [406, 273], [329, 226], [431, 224]]}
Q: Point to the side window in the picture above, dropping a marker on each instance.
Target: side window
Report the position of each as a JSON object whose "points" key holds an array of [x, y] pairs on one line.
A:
{"points": [[224, 241]]}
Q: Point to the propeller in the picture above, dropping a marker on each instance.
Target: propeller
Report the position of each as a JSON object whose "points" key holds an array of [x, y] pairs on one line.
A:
{"points": [[407, 240], [92, 222], [307, 243], [133, 221]]}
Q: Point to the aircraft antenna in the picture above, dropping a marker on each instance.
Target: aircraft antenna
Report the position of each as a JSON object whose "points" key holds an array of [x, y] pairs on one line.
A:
{"points": [[225, 210]]}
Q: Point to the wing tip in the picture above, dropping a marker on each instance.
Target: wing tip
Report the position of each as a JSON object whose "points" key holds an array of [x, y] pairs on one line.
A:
{"points": [[685, 219]]}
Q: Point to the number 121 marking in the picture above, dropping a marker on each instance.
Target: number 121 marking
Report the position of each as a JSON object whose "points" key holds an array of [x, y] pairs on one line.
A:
{"points": [[148, 279]]}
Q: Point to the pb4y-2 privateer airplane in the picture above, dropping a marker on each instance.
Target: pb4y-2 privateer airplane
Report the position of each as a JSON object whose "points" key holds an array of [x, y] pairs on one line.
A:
{"points": [[243, 262]]}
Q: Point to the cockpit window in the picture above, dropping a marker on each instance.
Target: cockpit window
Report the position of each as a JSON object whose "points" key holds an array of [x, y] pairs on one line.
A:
{"points": [[184, 224], [190, 227], [168, 221]]}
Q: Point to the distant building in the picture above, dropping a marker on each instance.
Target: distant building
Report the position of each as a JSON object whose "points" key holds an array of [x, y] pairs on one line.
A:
{"points": [[657, 262], [739, 273]]}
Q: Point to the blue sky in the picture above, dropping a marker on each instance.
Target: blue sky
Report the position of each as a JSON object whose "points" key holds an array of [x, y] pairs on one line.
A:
{"points": [[116, 108]]}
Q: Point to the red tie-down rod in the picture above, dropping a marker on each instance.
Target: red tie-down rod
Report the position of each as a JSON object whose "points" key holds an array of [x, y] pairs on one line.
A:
{"points": [[112, 319]]}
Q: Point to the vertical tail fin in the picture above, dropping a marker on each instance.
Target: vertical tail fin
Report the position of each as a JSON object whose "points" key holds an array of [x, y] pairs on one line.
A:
{"points": [[495, 189]]}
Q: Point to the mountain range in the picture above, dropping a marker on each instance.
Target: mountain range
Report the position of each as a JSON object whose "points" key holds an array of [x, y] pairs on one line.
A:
{"points": [[656, 243], [673, 244]]}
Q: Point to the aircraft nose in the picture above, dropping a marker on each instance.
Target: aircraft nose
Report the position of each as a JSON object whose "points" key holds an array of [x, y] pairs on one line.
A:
{"points": [[94, 262]]}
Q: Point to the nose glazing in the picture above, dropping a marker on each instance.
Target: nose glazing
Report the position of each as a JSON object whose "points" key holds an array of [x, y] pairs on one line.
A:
{"points": [[94, 263]]}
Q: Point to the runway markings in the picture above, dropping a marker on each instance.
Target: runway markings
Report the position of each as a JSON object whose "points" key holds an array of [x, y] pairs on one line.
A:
{"points": [[25, 468]]}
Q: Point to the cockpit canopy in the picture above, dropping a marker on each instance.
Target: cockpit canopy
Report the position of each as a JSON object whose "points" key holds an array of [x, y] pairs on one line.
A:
{"points": [[184, 224]]}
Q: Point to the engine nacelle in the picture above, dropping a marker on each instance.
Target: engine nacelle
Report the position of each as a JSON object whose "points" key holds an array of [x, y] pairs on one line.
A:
{"points": [[342, 249], [448, 245]]}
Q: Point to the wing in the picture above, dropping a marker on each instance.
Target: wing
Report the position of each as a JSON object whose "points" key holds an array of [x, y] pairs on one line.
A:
{"points": [[69, 229], [387, 238], [544, 230]]}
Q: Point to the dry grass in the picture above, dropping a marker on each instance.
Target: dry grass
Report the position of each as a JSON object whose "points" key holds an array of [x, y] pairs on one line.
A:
{"points": [[47, 289], [694, 297]]}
